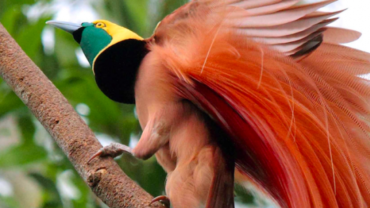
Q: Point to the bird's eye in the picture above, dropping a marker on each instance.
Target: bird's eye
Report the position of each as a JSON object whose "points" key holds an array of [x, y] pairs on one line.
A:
{"points": [[100, 25]]}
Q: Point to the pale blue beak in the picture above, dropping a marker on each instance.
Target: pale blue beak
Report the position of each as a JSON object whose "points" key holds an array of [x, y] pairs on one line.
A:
{"points": [[66, 26]]}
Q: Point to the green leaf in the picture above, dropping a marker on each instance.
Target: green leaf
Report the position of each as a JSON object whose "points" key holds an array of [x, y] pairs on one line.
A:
{"points": [[9, 102], [8, 202], [52, 197], [10, 16], [65, 48], [21, 155], [30, 38], [148, 174], [243, 195], [27, 128]]}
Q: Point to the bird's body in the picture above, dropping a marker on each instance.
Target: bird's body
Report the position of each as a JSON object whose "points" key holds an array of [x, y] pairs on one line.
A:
{"points": [[183, 139], [257, 86]]}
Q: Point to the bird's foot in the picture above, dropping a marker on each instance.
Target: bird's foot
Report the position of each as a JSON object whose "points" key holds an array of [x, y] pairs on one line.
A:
{"points": [[163, 200], [112, 150]]}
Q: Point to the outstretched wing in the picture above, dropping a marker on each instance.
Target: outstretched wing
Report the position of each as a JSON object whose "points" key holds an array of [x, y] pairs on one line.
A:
{"points": [[300, 130], [288, 26]]}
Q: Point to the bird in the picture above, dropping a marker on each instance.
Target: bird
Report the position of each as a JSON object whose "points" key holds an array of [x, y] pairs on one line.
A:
{"points": [[254, 90]]}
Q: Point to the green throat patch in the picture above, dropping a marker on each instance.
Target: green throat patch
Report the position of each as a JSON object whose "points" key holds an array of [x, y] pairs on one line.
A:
{"points": [[93, 41]]}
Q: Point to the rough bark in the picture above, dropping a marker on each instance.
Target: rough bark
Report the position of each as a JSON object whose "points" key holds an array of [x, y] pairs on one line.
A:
{"points": [[73, 136]]}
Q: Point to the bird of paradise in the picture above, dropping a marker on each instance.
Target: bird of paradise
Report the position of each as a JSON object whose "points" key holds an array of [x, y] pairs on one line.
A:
{"points": [[261, 88]]}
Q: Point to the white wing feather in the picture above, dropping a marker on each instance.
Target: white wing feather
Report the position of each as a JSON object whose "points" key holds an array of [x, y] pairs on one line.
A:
{"points": [[289, 26]]}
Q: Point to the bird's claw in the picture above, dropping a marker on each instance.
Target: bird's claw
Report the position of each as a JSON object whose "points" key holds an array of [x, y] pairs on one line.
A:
{"points": [[97, 154], [163, 200], [112, 150]]}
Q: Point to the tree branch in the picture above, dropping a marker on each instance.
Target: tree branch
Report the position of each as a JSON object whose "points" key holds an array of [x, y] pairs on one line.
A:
{"points": [[78, 142]]}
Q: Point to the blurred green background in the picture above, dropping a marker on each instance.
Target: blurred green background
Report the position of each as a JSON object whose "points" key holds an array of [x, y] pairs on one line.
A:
{"points": [[34, 173]]}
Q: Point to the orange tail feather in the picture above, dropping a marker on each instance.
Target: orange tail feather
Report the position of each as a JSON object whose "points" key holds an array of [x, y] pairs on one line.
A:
{"points": [[300, 130]]}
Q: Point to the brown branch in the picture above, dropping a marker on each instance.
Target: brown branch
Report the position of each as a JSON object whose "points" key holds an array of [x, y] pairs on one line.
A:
{"points": [[78, 142]]}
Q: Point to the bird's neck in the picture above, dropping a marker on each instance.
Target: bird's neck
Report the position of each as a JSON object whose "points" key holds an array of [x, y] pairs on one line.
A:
{"points": [[94, 42], [116, 69]]}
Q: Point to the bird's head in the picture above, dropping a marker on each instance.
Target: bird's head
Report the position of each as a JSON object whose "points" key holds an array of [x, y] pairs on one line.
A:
{"points": [[95, 37], [114, 52]]}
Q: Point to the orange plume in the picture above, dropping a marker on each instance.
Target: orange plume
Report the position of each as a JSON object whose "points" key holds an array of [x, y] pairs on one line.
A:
{"points": [[300, 129]]}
